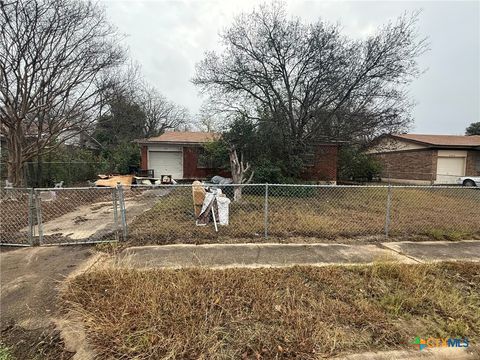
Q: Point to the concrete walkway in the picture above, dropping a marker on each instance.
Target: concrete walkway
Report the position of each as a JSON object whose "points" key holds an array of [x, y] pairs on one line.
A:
{"points": [[277, 255], [428, 251]]}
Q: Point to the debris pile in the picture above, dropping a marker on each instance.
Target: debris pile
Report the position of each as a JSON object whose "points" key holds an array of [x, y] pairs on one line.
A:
{"points": [[209, 204], [129, 180]]}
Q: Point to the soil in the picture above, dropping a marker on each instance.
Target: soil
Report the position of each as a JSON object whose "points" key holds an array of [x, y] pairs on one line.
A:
{"points": [[30, 280], [41, 343]]}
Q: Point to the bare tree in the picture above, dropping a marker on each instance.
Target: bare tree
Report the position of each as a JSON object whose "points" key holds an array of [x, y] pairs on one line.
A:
{"points": [[161, 114], [239, 169], [313, 82], [53, 55], [208, 120], [125, 82]]}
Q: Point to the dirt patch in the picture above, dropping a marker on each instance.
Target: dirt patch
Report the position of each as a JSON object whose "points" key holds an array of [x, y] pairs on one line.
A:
{"points": [[91, 222], [42, 343], [30, 281], [84, 223], [30, 278], [300, 312]]}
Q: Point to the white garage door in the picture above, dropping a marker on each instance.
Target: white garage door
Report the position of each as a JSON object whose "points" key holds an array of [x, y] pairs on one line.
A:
{"points": [[449, 169], [166, 163]]}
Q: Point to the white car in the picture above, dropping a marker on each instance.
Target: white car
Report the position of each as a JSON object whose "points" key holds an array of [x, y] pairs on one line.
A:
{"points": [[469, 180]]}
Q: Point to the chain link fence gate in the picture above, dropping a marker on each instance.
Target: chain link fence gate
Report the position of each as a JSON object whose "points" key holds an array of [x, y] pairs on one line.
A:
{"points": [[60, 216], [78, 215]]}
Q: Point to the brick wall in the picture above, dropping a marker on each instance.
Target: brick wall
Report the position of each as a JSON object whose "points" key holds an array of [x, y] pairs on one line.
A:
{"points": [[144, 158], [325, 164], [473, 163], [191, 169], [409, 165]]}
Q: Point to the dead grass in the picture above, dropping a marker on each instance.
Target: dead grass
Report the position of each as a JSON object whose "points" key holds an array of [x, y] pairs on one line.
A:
{"points": [[300, 312], [443, 214]]}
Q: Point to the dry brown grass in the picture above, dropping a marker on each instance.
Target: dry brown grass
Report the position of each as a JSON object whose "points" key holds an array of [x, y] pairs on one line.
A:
{"points": [[300, 312], [322, 213]]}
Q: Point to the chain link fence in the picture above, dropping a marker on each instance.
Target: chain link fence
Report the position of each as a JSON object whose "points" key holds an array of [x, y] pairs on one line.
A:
{"points": [[60, 216], [291, 211], [16, 222], [167, 214]]}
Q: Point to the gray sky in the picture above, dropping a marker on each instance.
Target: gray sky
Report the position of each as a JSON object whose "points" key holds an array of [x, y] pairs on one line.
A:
{"points": [[167, 38]]}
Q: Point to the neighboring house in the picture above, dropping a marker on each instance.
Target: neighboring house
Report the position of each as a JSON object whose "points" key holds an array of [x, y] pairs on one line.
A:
{"points": [[427, 159], [179, 154]]}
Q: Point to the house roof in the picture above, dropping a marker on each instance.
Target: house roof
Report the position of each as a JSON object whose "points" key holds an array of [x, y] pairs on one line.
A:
{"points": [[441, 140], [182, 137]]}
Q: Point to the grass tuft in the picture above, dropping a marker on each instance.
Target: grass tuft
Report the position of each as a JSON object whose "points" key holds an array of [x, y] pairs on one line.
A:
{"points": [[5, 353]]}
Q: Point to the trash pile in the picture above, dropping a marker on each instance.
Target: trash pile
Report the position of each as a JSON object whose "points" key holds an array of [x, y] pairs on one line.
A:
{"points": [[210, 204], [129, 180]]}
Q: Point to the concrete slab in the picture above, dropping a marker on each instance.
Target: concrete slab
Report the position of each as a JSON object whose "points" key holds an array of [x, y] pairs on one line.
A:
{"points": [[432, 251], [253, 255]]}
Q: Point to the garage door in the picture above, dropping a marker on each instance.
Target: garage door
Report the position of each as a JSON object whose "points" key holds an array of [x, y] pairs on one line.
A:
{"points": [[166, 163], [449, 169]]}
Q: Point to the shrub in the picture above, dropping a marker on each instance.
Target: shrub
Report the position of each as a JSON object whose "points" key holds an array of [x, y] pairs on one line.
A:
{"points": [[356, 165]]}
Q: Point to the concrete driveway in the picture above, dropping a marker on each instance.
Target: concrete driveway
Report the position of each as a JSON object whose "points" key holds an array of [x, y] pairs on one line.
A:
{"points": [[30, 320]]}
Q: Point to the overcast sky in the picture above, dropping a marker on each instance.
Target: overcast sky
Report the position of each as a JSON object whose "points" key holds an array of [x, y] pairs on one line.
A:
{"points": [[167, 38]]}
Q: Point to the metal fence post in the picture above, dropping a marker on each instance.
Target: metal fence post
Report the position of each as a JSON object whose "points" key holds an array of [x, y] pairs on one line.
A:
{"points": [[387, 215], [123, 215], [115, 211], [38, 205], [31, 209], [266, 211]]}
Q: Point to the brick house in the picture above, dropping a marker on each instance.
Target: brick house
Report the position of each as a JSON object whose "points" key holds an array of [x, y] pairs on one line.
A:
{"points": [[427, 159], [179, 154]]}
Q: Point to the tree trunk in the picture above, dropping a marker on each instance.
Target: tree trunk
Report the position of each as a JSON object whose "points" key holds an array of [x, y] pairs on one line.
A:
{"points": [[237, 193], [39, 172], [15, 171], [239, 170], [15, 158]]}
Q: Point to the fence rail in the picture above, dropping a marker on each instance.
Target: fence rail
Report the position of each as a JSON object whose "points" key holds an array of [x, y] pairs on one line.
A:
{"points": [[166, 214]]}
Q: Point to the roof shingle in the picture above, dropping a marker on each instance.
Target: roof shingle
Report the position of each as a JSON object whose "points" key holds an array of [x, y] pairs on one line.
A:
{"points": [[442, 140], [194, 137]]}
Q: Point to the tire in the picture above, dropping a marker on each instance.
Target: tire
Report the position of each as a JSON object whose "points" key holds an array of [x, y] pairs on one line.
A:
{"points": [[469, 183]]}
